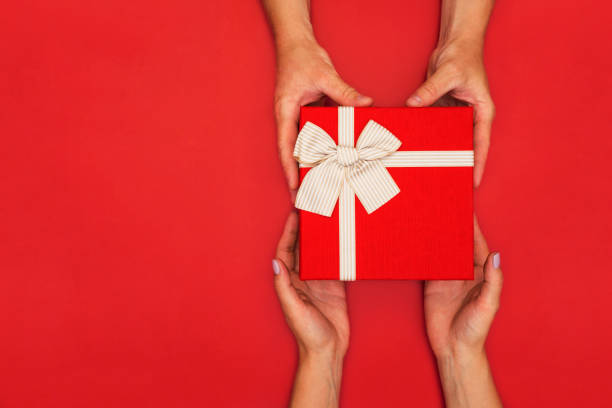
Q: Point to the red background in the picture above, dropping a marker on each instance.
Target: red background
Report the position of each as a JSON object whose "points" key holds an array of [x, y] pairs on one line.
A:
{"points": [[141, 200]]}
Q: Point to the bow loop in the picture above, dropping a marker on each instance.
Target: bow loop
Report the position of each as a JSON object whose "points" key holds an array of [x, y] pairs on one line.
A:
{"points": [[375, 141], [313, 145]]}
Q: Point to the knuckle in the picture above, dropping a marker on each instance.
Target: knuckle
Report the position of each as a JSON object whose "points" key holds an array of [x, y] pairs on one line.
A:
{"points": [[348, 92], [490, 305], [281, 106], [429, 89]]}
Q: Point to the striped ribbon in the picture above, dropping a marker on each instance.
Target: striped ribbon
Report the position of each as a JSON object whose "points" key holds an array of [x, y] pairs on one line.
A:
{"points": [[339, 172]]}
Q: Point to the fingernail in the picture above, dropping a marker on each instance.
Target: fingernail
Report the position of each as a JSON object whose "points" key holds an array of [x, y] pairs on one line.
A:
{"points": [[275, 267], [496, 260], [415, 100], [363, 99]]}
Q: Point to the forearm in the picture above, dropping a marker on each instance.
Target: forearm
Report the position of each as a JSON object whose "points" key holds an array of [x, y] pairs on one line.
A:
{"points": [[467, 381], [317, 381], [464, 20], [290, 21]]}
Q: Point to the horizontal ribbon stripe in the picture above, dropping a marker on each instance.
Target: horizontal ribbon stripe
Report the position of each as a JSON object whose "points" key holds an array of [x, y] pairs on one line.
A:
{"points": [[441, 158]]}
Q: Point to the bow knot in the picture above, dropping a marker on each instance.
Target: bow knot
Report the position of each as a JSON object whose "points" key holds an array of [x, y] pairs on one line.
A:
{"points": [[365, 173], [347, 155]]}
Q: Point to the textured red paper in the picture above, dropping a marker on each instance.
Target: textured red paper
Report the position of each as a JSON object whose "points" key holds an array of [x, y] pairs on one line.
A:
{"points": [[424, 232]]}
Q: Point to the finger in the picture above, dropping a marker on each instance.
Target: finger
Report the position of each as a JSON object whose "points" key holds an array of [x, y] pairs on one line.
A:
{"points": [[287, 114], [436, 86], [287, 295], [286, 248], [481, 249], [493, 281], [483, 121], [344, 94]]}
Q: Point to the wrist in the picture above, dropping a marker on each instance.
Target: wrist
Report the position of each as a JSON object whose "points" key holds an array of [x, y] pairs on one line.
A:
{"points": [[299, 35], [460, 358], [466, 379], [327, 357], [464, 21], [460, 46], [327, 363], [462, 53], [471, 38], [317, 380]]}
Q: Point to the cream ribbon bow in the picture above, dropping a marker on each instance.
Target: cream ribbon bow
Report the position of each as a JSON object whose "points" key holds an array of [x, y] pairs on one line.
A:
{"points": [[333, 167]]}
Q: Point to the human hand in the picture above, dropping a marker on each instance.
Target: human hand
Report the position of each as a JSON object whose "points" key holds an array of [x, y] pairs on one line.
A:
{"points": [[456, 77], [458, 315], [317, 315], [305, 75]]}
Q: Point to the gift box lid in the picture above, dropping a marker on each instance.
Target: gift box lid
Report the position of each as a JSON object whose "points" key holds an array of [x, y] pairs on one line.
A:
{"points": [[423, 232]]}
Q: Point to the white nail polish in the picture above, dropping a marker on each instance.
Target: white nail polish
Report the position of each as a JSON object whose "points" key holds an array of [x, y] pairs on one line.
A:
{"points": [[496, 260], [275, 267]]}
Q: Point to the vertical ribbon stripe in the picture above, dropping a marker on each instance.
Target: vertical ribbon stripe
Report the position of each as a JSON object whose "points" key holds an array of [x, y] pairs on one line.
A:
{"points": [[346, 206]]}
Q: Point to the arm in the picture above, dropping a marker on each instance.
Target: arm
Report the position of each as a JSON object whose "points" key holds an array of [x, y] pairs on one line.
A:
{"points": [[467, 381], [465, 20], [290, 21], [317, 316], [305, 75], [458, 315], [317, 382], [456, 73]]}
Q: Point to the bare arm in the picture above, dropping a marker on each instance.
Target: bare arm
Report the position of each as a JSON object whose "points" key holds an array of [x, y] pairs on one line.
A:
{"points": [[467, 381], [317, 382], [290, 21], [465, 20]]}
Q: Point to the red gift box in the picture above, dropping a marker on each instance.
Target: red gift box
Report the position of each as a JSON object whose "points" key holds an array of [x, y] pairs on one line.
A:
{"points": [[425, 231]]}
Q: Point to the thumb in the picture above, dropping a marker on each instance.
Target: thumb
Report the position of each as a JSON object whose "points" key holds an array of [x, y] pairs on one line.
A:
{"points": [[493, 281], [344, 94], [288, 297], [435, 87]]}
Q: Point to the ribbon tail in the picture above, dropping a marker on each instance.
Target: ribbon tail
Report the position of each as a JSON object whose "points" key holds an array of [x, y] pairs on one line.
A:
{"points": [[373, 184], [320, 188]]}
